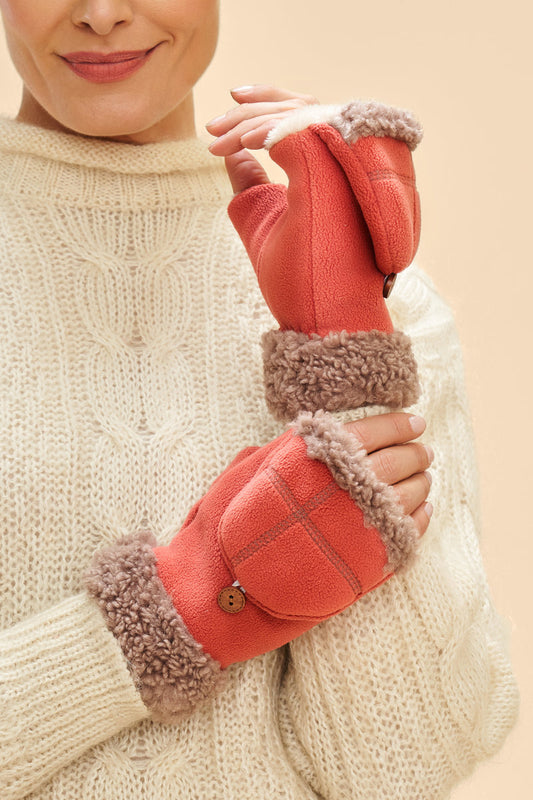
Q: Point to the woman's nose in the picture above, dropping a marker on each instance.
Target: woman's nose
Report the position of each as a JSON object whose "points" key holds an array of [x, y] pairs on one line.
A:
{"points": [[102, 15]]}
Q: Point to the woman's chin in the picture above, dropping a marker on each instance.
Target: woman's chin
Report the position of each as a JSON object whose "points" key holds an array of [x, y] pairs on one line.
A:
{"points": [[108, 123], [130, 116]]}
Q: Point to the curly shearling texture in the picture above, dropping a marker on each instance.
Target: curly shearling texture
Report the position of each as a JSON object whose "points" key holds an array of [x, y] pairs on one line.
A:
{"points": [[172, 671], [337, 372], [329, 442], [370, 118]]}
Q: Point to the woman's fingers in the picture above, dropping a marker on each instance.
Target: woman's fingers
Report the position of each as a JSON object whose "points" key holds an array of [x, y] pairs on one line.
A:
{"points": [[255, 139], [263, 92], [421, 517], [247, 111], [413, 491], [397, 460], [394, 464], [383, 430], [259, 109], [232, 141]]}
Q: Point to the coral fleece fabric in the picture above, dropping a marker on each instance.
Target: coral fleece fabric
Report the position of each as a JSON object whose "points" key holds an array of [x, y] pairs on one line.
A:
{"points": [[276, 522], [321, 248]]}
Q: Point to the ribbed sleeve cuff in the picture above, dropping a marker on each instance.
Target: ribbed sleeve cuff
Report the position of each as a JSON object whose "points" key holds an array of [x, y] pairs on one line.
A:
{"points": [[338, 372], [64, 687]]}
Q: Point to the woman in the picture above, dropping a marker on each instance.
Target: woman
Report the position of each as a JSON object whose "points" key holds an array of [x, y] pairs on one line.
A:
{"points": [[130, 353]]}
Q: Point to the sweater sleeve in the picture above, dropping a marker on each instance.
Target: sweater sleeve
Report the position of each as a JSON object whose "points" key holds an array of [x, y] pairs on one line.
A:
{"points": [[411, 687], [65, 687]]}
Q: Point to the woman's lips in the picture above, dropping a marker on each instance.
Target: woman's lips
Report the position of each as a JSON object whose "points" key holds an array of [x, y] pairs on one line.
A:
{"points": [[107, 67]]}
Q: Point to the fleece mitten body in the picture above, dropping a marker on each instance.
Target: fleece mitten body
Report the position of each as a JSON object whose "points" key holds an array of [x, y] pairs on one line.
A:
{"points": [[288, 535], [326, 250]]}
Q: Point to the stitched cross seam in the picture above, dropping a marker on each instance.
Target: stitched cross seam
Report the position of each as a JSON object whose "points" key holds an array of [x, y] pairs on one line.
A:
{"points": [[299, 513]]}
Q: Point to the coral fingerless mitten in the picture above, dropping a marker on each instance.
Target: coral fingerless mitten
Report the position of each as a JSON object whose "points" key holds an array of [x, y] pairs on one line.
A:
{"points": [[322, 250], [288, 535]]}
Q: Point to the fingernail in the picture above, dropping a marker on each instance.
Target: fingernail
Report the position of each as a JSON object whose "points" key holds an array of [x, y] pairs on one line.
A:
{"points": [[428, 508], [418, 424], [242, 89], [429, 477], [429, 451], [215, 120]]}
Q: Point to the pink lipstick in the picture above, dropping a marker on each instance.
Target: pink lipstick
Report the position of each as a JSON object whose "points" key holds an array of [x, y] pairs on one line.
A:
{"points": [[107, 67]]}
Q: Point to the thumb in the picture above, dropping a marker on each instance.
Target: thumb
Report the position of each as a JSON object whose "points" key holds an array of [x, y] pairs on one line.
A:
{"points": [[257, 204], [244, 171]]}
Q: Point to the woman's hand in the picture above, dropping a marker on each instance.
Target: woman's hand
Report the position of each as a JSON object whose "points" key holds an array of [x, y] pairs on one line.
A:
{"points": [[246, 126], [398, 461]]}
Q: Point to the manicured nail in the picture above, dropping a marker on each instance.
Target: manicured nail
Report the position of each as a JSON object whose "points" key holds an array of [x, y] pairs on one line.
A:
{"points": [[429, 451], [418, 424], [428, 508], [242, 89], [214, 121]]}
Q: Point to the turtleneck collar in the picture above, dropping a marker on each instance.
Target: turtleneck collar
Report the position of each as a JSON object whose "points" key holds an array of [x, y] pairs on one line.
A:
{"points": [[71, 148], [39, 166]]}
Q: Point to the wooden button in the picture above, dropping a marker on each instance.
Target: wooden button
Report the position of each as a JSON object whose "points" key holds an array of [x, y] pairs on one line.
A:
{"points": [[389, 282], [231, 599]]}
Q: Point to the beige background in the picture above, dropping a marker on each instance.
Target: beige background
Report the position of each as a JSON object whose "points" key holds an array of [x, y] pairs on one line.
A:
{"points": [[463, 67]]}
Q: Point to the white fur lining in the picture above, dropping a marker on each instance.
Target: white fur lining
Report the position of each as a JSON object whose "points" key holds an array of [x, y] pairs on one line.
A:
{"points": [[299, 120]]}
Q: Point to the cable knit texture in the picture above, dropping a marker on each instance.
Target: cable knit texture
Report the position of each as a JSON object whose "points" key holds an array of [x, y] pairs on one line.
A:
{"points": [[131, 372]]}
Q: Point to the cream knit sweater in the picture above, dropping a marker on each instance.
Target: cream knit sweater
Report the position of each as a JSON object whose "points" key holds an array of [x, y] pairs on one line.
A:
{"points": [[130, 371]]}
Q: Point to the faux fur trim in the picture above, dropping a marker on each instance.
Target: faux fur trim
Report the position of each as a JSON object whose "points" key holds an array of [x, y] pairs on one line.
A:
{"points": [[370, 118], [353, 120], [337, 372], [172, 671], [328, 441]]}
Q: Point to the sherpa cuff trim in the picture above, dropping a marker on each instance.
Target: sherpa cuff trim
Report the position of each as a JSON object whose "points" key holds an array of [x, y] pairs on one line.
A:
{"points": [[329, 442], [354, 120], [337, 372], [172, 671]]}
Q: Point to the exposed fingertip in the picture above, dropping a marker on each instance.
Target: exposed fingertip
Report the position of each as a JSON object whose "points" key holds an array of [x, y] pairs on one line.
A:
{"points": [[422, 518], [215, 121], [418, 424], [242, 89]]}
